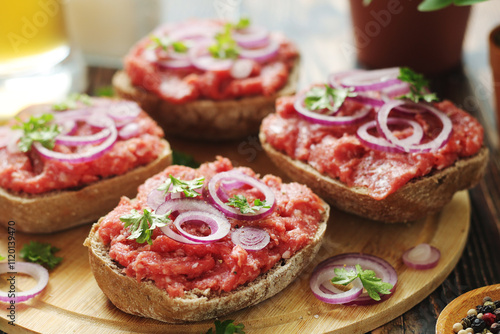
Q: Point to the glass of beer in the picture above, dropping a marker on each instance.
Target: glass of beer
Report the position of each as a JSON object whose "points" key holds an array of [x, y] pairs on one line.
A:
{"points": [[35, 54]]}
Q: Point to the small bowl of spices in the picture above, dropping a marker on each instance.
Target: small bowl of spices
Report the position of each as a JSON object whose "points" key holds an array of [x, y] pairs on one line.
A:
{"points": [[477, 311]]}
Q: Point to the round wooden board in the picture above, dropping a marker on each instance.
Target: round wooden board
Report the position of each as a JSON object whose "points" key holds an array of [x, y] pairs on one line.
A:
{"points": [[72, 301], [457, 309]]}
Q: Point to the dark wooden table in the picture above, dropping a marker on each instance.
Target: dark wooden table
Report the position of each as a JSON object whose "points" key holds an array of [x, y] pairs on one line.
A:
{"points": [[480, 263]]}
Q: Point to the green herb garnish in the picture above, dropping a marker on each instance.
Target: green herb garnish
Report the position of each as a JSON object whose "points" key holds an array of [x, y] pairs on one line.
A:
{"points": [[175, 185], [241, 202], [225, 46], [166, 43], [180, 158], [226, 327], [105, 91], [41, 253], [373, 285], [418, 86], [243, 23], [71, 102], [327, 97], [142, 225], [38, 129]]}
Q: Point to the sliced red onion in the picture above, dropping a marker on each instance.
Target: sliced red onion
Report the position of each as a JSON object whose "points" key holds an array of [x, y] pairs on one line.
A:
{"points": [[250, 238], [129, 130], [322, 288], [219, 225], [261, 55], [323, 119], [381, 268], [233, 212], [123, 110], [156, 198], [96, 138], [67, 126], [202, 59], [396, 90], [334, 79], [88, 154], [177, 237], [251, 37], [381, 144], [39, 273], [12, 144], [372, 80], [242, 68], [439, 141], [422, 256], [184, 204]]}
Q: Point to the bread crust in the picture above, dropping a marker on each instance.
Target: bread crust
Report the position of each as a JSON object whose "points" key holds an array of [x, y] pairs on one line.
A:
{"points": [[413, 201], [212, 120], [146, 300], [60, 210]]}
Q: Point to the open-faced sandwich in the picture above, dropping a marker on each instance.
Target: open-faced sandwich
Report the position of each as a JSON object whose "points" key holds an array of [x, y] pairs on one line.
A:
{"points": [[69, 164], [376, 144], [209, 79], [200, 243]]}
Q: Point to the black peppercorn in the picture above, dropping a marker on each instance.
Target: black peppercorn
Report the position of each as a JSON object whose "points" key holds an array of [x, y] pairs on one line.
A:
{"points": [[488, 307], [495, 328], [478, 325], [497, 303], [467, 322], [497, 314], [487, 299]]}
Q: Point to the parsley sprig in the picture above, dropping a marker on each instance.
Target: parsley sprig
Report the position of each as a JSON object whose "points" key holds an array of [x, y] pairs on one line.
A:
{"points": [[165, 43], [142, 225], [373, 285], [241, 202], [225, 46], [41, 253], [243, 23], [188, 187], [226, 327], [418, 86], [327, 97], [71, 102], [38, 129]]}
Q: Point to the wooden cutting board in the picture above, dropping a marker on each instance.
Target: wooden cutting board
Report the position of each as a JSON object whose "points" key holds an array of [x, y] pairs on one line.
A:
{"points": [[72, 301]]}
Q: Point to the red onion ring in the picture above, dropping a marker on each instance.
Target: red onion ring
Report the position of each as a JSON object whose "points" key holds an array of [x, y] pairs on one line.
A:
{"points": [[219, 225], [381, 144], [250, 238], [241, 69], [422, 256], [96, 138], [212, 197], [123, 110], [318, 118], [39, 273], [167, 230], [381, 268], [88, 154], [261, 55], [372, 80], [184, 204], [321, 287], [251, 37], [434, 144], [201, 58], [129, 130]]}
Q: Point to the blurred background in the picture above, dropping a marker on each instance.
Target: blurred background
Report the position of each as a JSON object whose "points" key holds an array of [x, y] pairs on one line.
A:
{"points": [[47, 46]]}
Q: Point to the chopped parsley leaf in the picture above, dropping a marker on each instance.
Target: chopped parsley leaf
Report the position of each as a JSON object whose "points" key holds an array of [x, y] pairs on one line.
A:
{"points": [[373, 285], [241, 202], [227, 327], [41, 253], [225, 46], [175, 185], [142, 225], [318, 98], [38, 129], [71, 102], [418, 86]]}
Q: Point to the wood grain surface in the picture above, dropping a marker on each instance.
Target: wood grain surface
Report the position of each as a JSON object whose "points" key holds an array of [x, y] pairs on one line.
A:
{"points": [[72, 301], [457, 309]]}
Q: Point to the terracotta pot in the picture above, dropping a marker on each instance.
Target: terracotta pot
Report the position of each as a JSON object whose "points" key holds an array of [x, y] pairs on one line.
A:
{"points": [[394, 33], [494, 46]]}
